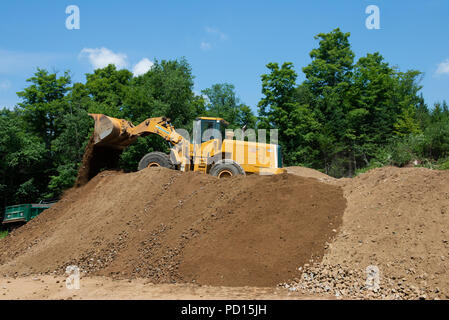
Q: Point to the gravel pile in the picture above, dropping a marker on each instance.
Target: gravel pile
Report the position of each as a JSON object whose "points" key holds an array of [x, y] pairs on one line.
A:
{"points": [[346, 283]]}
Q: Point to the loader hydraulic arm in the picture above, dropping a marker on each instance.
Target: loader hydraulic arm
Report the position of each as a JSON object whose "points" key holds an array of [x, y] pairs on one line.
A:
{"points": [[119, 133], [160, 126]]}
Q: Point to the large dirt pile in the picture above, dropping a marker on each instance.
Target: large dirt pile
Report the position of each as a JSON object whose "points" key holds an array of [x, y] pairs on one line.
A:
{"points": [[397, 220], [181, 227]]}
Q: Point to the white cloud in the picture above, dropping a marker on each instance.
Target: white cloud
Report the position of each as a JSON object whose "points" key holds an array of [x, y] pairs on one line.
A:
{"points": [[205, 46], [102, 57], [214, 35], [443, 67], [142, 67], [217, 32], [5, 85]]}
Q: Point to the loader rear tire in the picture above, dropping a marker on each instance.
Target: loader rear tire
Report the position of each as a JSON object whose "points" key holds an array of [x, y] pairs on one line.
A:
{"points": [[226, 169], [155, 159]]}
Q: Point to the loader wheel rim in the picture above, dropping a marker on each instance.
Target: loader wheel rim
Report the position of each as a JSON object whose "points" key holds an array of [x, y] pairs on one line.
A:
{"points": [[225, 174], [153, 164]]}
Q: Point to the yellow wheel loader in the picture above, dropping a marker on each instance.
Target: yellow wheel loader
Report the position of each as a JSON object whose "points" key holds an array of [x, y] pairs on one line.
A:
{"points": [[207, 152]]}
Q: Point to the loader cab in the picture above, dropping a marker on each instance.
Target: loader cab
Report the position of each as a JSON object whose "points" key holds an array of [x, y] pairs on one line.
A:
{"points": [[207, 128]]}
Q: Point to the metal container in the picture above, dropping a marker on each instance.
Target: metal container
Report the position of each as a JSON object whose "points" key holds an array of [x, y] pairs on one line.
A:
{"points": [[23, 212]]}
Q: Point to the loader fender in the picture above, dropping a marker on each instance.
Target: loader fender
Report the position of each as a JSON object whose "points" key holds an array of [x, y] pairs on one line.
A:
{"points": [[226, 168]]}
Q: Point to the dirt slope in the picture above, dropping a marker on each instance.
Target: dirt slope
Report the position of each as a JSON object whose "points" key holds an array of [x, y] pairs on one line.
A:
{"points": [[169, 227], [309, 173], [398, 220]]}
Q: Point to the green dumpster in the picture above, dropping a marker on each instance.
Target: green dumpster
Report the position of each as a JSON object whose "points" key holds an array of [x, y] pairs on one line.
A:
{"points": [[23, 212]]}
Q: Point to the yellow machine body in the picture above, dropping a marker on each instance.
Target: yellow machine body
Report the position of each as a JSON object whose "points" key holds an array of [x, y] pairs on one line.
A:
{"points": [[199, 155]]}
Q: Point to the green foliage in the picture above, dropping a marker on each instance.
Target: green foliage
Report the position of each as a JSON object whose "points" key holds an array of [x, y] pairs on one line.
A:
{"points": [[246, 117], [165, 90], [429, 147], [278, 88], [107, 88], [26, 190], [343, 113], [43, 103], [331, 65], [283, 108], [401, 152], [64, 179], [436, 140], [407, 99], [21, 159], [328, 80], [222, 102], [68, 149], [443, 164], [3, 233]]}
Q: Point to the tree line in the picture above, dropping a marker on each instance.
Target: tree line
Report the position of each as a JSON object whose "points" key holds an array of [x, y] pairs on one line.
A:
{"points": [[345, 117]]}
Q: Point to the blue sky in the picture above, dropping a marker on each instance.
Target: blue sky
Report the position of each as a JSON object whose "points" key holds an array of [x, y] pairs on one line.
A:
{"points": [[224, 41]]}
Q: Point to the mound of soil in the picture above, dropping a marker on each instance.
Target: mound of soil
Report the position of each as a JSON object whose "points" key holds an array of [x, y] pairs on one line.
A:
{"points": [[309, 173], [170, 226], [397, 220]]}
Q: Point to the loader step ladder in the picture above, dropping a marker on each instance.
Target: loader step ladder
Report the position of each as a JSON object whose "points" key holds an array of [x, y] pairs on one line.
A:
{"points": [[202, 166]]}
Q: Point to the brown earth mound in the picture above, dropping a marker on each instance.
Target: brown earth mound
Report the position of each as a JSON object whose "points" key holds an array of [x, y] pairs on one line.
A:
{"points": [[309, 173], [181, 227], [397, 219]]}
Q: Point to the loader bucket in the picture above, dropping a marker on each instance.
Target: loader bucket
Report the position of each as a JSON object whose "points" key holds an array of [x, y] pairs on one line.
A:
{"points": [[112, 132]]}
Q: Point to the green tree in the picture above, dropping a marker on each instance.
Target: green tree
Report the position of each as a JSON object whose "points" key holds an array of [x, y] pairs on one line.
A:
{"points": [[246, 117], [328, 78], [285, 107], [21, 160], [68, 149], [165, 90], [222, 102], [407, 99], [373, 114], [43, 104], [332, 62], [108, 88]]}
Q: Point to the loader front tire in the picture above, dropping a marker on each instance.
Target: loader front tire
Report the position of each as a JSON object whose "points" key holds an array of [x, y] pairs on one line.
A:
{"points": [[155, 159], [226, 169]]}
